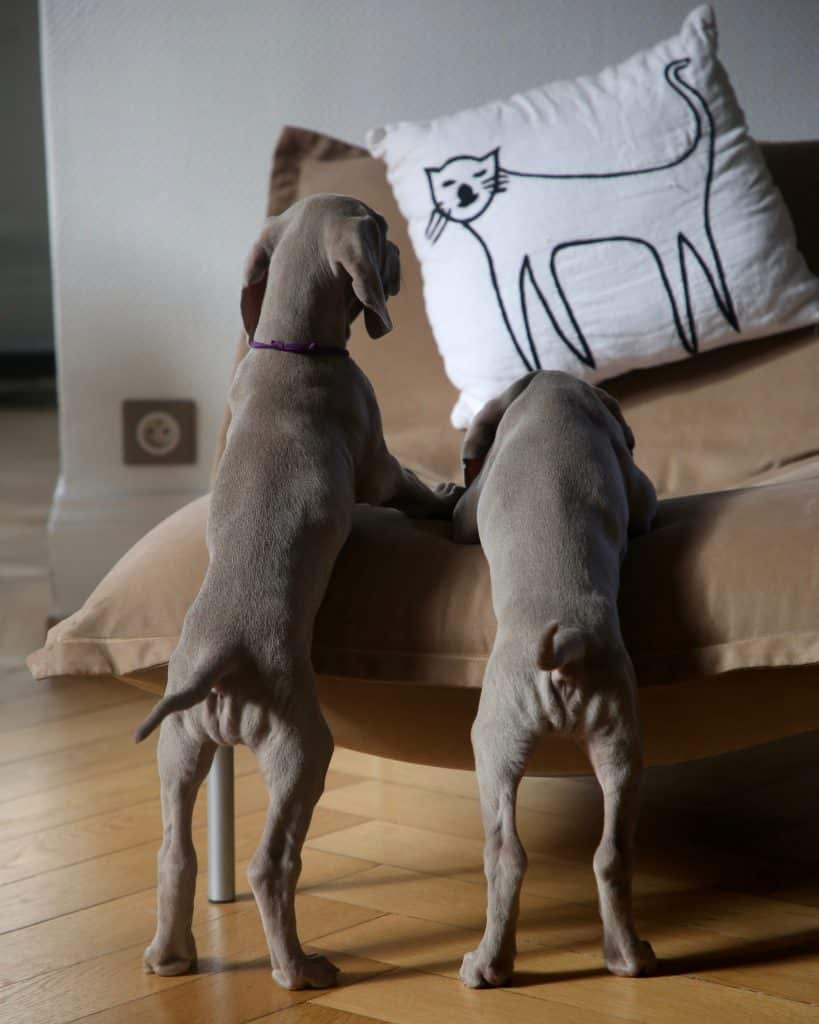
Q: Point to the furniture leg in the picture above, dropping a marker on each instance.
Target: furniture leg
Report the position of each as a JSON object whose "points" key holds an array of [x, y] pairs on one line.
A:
{"points": [[221, 845]]}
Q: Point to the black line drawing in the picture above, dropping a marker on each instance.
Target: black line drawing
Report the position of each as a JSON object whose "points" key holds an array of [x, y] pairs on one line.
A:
{"points": [[464, 190]]}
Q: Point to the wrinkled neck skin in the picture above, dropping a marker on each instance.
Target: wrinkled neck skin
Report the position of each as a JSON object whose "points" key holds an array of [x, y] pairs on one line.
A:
{"points": [[291, 313]]}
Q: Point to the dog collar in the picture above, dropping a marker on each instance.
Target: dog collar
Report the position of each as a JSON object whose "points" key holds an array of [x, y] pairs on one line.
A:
{"points": [[310, 349]]}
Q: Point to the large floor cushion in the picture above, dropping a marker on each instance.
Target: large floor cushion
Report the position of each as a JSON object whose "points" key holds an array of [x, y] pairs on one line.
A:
{"points": [[723, 587]]}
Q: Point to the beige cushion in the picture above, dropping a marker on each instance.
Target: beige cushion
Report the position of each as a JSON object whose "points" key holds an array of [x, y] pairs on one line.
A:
{"points": [[725, 581]]}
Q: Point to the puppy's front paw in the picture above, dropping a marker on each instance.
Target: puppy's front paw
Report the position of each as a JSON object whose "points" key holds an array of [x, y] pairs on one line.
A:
{"points": [[448, 496], [480, 971], [449, 490], [634, 963], [169, 961], [313, 971]]}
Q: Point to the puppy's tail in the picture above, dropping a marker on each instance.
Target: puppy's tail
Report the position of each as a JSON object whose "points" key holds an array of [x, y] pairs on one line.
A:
{"points": [[199, 684], [561, 650]]}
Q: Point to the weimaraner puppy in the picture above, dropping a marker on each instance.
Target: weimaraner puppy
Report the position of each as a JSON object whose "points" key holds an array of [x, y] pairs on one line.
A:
{"points": [[304, 444], [554, 504]]}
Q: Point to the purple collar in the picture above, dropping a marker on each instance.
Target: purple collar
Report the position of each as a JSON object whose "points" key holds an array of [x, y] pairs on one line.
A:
{"points": [[310, 349]]}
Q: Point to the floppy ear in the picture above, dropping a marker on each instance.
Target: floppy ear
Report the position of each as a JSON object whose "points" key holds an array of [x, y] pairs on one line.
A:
{"points": [[254, 284], [358, 253], [642, 498], [613, 407], [392, 269], [642, 502]]}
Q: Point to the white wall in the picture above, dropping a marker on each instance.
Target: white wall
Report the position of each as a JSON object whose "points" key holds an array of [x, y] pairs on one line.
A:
{"points": [[160, 119]]}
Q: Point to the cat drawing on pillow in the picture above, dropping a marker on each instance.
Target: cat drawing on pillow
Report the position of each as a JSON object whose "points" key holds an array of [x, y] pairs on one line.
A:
{"points": [[631, 207]]}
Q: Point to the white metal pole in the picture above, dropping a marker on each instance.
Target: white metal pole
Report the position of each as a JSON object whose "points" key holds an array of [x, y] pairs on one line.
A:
{"points": [[221, 847]]}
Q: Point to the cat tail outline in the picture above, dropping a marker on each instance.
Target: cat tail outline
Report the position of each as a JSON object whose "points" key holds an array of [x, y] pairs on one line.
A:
{"points": [[686, 246]]}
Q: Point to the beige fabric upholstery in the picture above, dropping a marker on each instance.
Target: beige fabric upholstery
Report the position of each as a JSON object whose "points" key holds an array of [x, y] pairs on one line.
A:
{"points": [[718, 585]]}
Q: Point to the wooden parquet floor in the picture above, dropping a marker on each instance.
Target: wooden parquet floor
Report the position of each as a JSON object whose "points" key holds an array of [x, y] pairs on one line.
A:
{"points": [[727, 887]]}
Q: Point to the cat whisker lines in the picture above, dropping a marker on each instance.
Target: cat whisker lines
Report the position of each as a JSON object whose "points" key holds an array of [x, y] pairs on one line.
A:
{"points": [[516, 238], [443, 223], [432, 223], [436, 224]]}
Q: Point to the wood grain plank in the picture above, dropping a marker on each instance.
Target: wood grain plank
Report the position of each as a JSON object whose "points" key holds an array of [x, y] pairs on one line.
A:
{"points": [[679, 847], [449, 901], [41, 772], [120, 720], [89, 761], [105, 927], [310, 1013], [54, 699], [731, 913], [581, 979], [120, 825], [408, 997], [431, 851], [777, 959], [232, 996], [226, 943], [131, 870], [110, 791]]}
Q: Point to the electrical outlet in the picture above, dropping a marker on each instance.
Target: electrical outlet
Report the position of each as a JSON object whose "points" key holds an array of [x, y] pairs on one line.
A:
{"points": [[158, 432]]}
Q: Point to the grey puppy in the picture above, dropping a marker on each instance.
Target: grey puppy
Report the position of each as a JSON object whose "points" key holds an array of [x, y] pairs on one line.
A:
{"points": [[304, 444], [553, 506]]}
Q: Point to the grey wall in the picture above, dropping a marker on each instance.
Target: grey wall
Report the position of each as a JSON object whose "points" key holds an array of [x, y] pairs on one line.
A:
{"points": [[25, 289]]}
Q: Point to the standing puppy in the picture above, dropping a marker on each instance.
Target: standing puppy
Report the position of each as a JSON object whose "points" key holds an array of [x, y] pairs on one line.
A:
{"points": [[304, 444], [553, 507]]}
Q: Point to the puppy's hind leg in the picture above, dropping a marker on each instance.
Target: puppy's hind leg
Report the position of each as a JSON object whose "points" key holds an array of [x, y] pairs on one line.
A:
{"points": [[502, 736], [615, 752], [184, 762], [293, 759]]}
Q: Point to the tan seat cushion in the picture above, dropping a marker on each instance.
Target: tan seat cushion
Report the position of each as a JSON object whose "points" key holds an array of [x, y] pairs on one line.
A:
{"points": [[720, 420], [725, 581]]}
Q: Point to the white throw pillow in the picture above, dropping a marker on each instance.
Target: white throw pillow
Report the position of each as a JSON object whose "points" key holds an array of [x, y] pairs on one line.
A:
{"points": [[599, 225]]}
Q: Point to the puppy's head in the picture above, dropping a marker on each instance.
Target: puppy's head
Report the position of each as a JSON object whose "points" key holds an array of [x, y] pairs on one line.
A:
{"points": [[326, 255]]}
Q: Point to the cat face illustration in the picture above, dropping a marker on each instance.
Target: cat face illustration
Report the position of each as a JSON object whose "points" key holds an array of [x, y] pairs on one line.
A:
{"points": [[462, 189]]}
